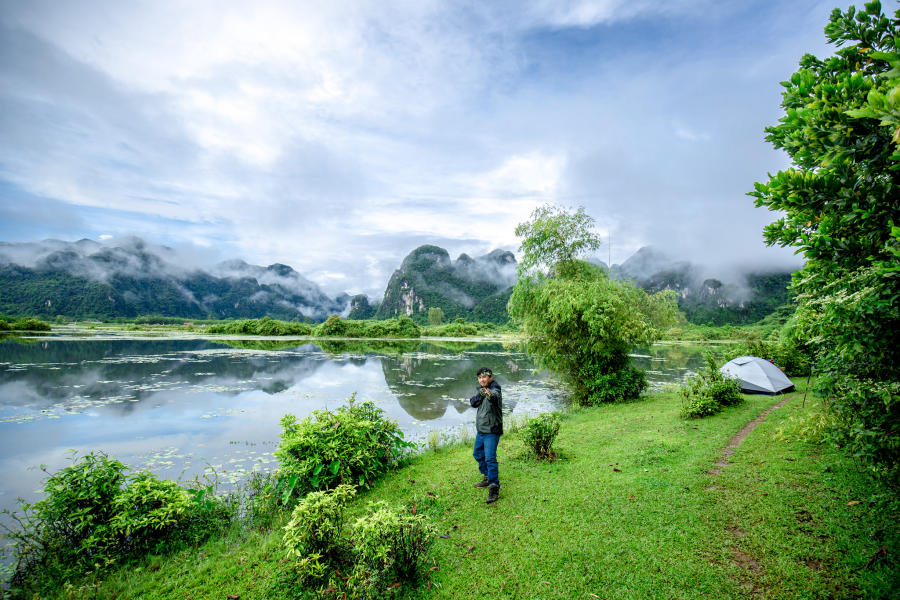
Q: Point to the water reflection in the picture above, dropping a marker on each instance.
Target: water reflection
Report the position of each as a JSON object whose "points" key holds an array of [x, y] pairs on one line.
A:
{"points": [[177, 406]]}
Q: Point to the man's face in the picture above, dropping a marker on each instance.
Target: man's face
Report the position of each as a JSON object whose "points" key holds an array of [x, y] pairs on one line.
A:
{"points": [[485, 379]]}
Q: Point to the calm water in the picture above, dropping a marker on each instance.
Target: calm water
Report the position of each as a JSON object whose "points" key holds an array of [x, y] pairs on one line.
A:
{"points": [[181, 406]]}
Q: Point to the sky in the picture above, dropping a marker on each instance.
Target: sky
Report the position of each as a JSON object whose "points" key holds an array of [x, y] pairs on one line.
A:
{"points": [[337, 136]]}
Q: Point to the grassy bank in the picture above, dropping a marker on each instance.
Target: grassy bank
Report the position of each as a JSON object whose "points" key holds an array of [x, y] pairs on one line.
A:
{"points": [[630, 509]]}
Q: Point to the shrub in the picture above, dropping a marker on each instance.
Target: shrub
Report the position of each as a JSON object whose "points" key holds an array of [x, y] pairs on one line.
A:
{"points": [[453, 330], [333, 326], [29, 324], [264, 326], [95, 515], [146, 510], [352, 444], [317, 523], [390, 548], [708, 392], [540, 432], [606, 383]]}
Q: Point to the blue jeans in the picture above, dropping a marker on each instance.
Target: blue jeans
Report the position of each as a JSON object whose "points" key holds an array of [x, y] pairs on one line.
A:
{"points": [[486, 454]]}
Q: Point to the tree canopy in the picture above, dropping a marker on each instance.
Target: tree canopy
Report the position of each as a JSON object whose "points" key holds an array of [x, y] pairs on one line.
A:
{"points": [[555, 237], [841, 209], [578, 322]]}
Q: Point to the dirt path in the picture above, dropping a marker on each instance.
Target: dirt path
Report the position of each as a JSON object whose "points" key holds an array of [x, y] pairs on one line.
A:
{"points": [[743, 433], [750, 566]]}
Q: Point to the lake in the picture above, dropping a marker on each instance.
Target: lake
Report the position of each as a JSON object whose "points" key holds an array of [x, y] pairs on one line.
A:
{"points": [[180, 405]]}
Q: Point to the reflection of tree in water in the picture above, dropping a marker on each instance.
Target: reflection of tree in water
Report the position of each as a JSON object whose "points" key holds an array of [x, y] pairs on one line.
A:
{"points": [[428, 382], [56, 372]]}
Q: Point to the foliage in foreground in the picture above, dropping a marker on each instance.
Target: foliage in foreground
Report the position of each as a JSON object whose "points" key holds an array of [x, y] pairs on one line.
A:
{"points": [[540, 432], [600, 521], [96, 515], [353, 444], [709, 392], [385, 549], [578, 322], [841, 131]]}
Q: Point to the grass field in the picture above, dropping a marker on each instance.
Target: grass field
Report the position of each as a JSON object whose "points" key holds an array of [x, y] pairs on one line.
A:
{"points": [[633, 507]]}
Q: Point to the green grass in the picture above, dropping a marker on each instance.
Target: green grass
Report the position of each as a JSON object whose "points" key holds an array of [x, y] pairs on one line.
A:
{"points": [[628, 510]]}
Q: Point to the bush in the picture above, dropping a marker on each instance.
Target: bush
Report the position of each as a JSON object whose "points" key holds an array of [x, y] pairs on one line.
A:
{"points": [[317, 523], [385, 549], [353, 444], [607, 383], [540, 432], [708, 392], [146, 509], [401, 327], [94, 515], [29, 324], [390, 548], [333, 326], [264, 326], [453, 330]]}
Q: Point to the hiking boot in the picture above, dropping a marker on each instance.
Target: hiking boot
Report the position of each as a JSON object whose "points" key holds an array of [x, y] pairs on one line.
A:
{"points": [[493, 493], [483, 483]]}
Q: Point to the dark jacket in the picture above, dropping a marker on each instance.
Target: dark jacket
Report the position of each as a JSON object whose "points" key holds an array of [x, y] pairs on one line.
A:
{"points": [[489, 418]]}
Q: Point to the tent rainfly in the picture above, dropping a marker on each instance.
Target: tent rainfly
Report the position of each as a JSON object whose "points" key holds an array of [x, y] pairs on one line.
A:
{"points": [[757, 376]]}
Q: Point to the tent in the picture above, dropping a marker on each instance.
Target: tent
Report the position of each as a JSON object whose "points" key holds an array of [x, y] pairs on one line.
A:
{"points": [[757, 375]]}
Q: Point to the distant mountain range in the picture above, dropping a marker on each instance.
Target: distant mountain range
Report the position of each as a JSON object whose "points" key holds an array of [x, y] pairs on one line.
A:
{"points": [[131, 277], [89, 279], [746, 298]]}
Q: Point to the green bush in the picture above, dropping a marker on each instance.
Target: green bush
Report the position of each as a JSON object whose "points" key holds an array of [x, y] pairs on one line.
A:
{"points": [[390, 548], [708, 392], [29, 324], [610, 380], [95, 515], [352, 444], [146, 509], [264, 326], [453, 330], [540, 432], [317, 523], [385, 549], [401, 327], [333, 326]]}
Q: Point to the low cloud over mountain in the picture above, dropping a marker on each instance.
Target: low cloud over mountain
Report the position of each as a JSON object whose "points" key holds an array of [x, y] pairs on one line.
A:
{"points": [[130, 277]]}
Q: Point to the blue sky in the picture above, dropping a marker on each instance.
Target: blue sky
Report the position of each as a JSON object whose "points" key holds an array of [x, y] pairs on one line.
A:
{"points": [[336, 137]]}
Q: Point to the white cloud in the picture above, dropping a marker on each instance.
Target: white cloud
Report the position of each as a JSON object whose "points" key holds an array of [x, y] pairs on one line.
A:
{"points": [[335, 137]]}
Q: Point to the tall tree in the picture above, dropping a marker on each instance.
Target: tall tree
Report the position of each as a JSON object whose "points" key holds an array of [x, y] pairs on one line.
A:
{"points": [[841, 207], [578, 322], [554, 237]]}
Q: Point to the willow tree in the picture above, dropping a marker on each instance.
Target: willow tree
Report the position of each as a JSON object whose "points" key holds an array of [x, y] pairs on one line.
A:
{"points": [[840, 207], [578, 322]]}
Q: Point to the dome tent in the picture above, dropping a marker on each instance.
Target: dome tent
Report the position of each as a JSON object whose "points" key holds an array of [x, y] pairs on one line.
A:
{"points": [[757, 375]]}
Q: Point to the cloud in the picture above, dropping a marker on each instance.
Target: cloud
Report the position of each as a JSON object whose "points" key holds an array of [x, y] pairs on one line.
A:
{"points": [[336, 137]]}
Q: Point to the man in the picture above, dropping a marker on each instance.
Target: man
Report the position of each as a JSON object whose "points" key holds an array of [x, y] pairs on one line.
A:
{"points": [[488, 429]]}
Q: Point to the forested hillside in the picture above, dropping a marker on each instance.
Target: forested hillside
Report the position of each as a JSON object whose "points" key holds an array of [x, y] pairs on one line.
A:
{"points": [[90, 280]]}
